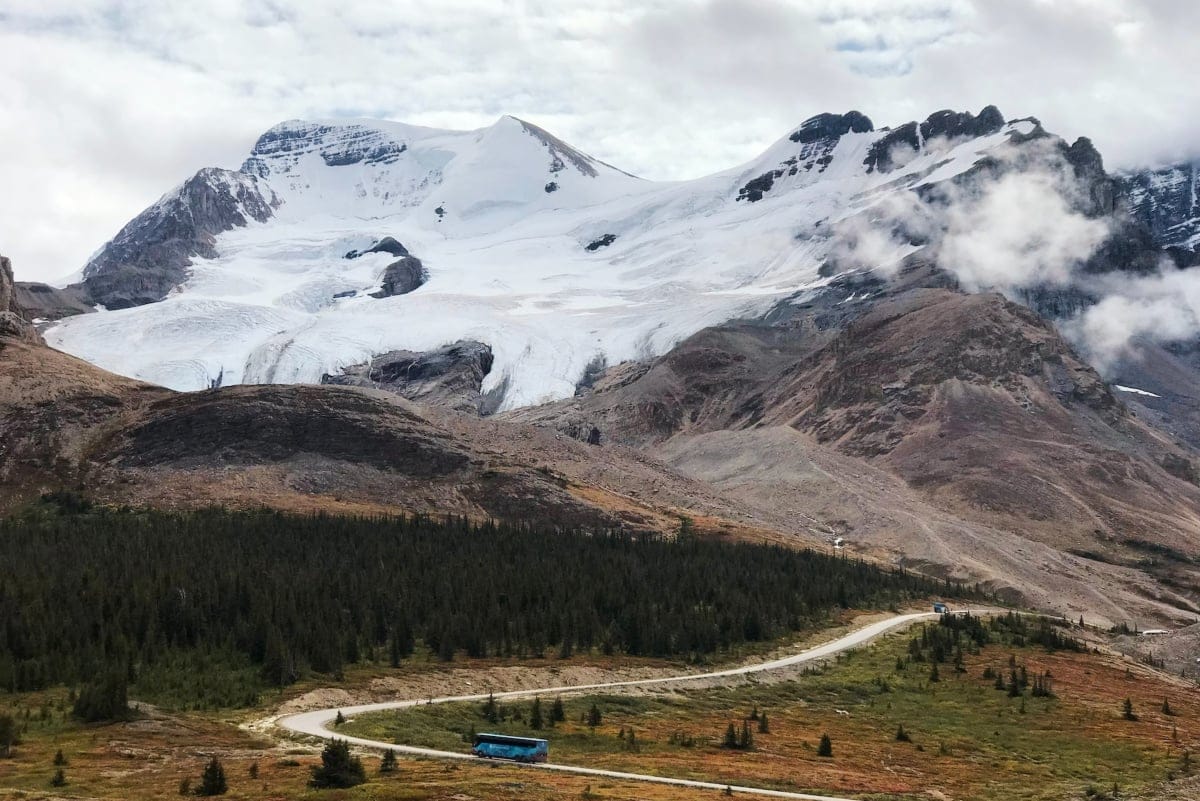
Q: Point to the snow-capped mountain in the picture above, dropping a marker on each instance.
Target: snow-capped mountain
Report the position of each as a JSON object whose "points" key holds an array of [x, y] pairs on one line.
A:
{"points": [[1165, 201], [278, 273]]}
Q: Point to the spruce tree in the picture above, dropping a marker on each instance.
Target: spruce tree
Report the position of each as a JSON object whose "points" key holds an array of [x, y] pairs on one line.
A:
{"points": [[763, 726], [8, 735], [1127, 710], [746, 737], [535, 714], [339, 768], [730, 740], [104, 699], [59, 759], [388, 763], [60, 779], [594, 718], [491, 712], [825, 747], [340, 719], [557, 713], [1166, 707], [902, 736], [212, 781]]}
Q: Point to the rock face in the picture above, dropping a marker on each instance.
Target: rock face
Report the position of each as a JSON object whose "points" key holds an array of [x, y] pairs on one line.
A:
{"points": [[42, 301], [338, 146], [449, 377], [386, 245], [149, 257], [831, 126], [12, 321], [1166, 201], [6, 284], [401, 277], [912, 136]]}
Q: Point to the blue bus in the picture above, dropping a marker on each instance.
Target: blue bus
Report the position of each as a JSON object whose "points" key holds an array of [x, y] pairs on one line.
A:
{"points": [[502, 746]]}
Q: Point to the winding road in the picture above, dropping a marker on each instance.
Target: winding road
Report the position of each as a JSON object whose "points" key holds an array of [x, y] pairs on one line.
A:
{"points": [[316, 723]]}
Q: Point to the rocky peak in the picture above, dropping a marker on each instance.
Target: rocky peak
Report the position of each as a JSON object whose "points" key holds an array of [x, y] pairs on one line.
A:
{"points": [[338, 145], [946, 124], [831, 126], [149, 256]]}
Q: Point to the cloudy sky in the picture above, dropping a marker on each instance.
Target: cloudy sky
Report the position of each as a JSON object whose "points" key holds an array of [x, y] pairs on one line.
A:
{"points": [[109, 103]]}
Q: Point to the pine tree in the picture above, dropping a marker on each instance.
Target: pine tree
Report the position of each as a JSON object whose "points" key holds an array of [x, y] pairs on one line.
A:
{"points": [[1127, 710], [902, 736], [491, 712], [594, 718], [388, 763], [59, 759], [535, 713], [825, 747], [1166, 707], [212, 781], [340, 719], [60, 779], [557, 713], [339, 768], [8, 735], [763, 726], [730, 740], [105, 699], [745, 740]]}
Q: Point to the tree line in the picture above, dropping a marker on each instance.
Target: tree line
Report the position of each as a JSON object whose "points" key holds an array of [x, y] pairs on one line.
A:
{"points": [[93, 592]]}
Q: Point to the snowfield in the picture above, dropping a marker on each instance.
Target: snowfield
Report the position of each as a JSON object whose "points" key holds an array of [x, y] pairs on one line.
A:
{"points": [[501, 219]]}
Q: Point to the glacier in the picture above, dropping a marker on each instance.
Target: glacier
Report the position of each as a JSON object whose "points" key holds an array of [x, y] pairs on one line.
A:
{"points": [[502, 219]]}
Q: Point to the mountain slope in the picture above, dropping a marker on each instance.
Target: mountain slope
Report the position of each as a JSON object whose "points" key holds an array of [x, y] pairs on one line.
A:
{"points": [[995, 429], [553, 259]]}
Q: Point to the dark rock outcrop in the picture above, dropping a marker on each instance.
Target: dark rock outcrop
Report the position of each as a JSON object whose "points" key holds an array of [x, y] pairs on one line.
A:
{"points": [[402, 277], [6, 284], [338, 146], [261, 425], [149, 257], [12, 322], [831, 126], [386, 245], [601, 242], [42, 301], [881, 155], [945, 124], [1167, 202], [451, 376]]}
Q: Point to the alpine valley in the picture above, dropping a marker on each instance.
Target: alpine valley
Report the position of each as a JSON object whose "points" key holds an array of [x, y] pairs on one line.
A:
{"points": [[882, 335]]}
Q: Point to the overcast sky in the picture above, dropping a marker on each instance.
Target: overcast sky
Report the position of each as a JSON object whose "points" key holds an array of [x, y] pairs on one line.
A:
{"points": [[107, 104]]}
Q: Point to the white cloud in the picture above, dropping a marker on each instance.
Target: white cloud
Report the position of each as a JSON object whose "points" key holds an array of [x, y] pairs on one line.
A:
{"points": [[108, 103]]}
